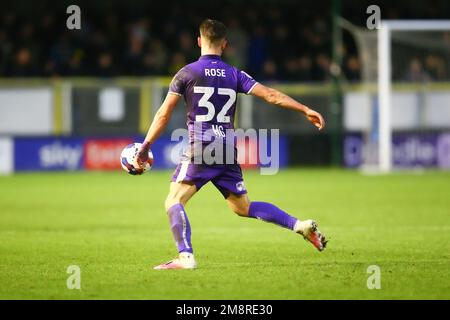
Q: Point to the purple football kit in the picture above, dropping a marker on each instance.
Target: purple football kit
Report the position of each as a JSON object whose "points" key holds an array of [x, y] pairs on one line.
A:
{"points": [[210, 87]]}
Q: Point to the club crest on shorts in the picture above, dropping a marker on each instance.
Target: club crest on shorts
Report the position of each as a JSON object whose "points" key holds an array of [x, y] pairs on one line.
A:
{"points": [[240, 186]]}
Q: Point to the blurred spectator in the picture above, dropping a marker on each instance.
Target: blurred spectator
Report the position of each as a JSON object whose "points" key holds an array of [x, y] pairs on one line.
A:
{"points": [[231, 56], [134, 55], [272, 40], [186, 46], [304, 68], [76, 67], [237, 44], [60, 55], [156, 58], [105, 67], [322, 69], [6, 49], [178, 61], [291, 69], [316, 35], [270, 71], [139, 30], [280, 40], [257, 51], [435, 66], [415, 72], [352, 69], [23, 64], [446, 38]]}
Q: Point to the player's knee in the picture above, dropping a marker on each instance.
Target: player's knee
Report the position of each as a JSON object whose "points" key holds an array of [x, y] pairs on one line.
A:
{"points": [[168, 204], [179, 194], [240, 209], [172, 200]]}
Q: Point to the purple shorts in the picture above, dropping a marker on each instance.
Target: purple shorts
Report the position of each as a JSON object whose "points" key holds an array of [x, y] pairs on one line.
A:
{"points": [[226, 177]]}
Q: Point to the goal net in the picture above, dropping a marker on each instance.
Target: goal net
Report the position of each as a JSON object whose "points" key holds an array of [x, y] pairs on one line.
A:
{"points": [[401, 113]]}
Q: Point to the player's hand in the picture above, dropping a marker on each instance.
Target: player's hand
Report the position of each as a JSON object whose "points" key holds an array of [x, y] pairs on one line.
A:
{"points": [[142, 156], [315, 118]]}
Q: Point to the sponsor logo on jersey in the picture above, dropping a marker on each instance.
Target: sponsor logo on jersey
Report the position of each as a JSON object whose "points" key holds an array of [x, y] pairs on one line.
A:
{"points": [[240, 186]]}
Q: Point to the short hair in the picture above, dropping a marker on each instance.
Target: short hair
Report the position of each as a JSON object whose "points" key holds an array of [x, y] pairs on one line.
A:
{"points": [[213, 30]]}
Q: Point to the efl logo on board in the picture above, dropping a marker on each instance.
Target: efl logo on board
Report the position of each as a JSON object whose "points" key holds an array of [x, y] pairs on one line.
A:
{"points": [[104, 154]]}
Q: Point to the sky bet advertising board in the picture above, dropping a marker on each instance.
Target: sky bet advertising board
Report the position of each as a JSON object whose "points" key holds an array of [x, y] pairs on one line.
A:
{"points": [[48, 154], [70, 154]]}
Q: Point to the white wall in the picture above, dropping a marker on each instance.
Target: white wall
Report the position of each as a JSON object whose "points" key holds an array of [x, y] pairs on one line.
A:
{"points": [[410, 110], [6, 156], [357, 111], [26, 111]]}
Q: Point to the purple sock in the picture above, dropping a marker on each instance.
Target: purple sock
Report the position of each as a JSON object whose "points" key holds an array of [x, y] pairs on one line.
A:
{"points": [[270, 213], [181, 229]]}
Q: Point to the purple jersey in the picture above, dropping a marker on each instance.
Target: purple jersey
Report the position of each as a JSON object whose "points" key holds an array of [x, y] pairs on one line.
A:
{"points": [[210, 87]]}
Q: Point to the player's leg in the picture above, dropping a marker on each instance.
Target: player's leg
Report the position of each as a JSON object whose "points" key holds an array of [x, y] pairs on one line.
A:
{"points": [[179, 195], [179, 192], [242, 206], [230, 183], [239, 204], [186, 181]]}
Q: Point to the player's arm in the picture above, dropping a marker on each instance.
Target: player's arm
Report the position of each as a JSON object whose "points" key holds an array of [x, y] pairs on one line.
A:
{"points": [[282, 100], [158, 125]]}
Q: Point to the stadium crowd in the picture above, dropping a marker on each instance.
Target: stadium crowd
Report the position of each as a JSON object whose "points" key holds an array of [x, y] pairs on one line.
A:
{"points": [[271, 42]]}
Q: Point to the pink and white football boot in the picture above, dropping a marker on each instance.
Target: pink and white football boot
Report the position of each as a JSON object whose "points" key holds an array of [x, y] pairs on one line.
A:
{"points": [[308, 229], [185, 260]]}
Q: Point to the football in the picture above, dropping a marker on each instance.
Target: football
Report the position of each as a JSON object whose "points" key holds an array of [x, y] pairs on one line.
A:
{"points": [[128, 156]]}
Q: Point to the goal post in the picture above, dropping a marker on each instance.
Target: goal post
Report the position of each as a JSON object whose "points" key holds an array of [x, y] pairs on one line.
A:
{"points": [[398, 115], [384, 98], [385, 161]]}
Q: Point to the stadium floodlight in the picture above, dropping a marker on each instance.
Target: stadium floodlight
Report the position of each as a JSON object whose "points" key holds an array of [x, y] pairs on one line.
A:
{"points": [[385, 79]]}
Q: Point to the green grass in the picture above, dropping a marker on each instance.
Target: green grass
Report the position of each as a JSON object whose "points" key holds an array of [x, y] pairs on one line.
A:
{"points": [[114, 227]]}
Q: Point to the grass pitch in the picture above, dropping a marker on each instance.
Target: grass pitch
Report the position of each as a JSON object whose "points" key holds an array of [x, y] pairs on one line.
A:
{"points": [[113, 226]]}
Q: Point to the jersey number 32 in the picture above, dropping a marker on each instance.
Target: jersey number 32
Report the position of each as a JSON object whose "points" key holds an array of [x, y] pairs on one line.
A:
{"points": [[205, 103]]}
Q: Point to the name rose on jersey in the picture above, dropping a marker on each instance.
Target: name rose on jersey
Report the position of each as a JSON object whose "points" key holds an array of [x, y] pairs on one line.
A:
{"points": [[215, 73]]}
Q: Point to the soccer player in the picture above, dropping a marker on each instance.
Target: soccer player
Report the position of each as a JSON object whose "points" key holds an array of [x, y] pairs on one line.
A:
{"points": [[209, 87]]}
